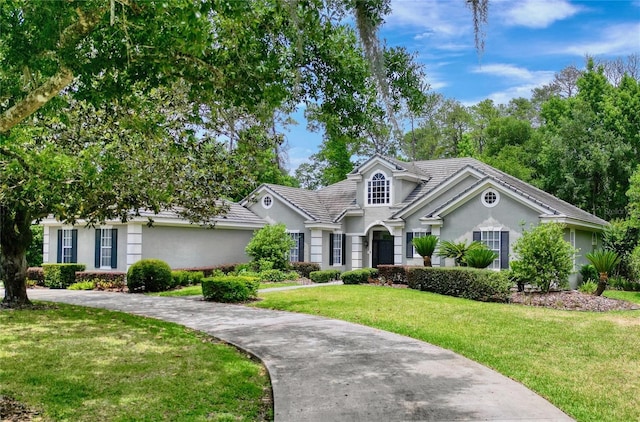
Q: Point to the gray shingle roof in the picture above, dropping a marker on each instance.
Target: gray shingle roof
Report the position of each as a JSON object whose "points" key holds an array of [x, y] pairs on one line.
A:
{"points": [[236, 213]]}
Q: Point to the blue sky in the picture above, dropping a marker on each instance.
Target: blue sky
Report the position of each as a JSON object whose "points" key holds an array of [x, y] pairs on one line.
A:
{"points": [[526, 43]]}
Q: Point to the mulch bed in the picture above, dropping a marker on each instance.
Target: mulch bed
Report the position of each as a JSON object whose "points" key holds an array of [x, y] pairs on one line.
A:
{"points": [[14, 411], [572, 300]]}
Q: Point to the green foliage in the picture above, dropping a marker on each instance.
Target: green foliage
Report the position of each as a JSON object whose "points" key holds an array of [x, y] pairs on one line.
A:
{"points": [[361, 276], [621, 236], [457, 251], [634, 198], [305, 268], [34, 253], [468, 283], [271, 243], [479, 257], [60, 276], [425, 245], [395, 274], [274, 276], [82, 285], [543, 257], [149, 275], [634, 263], [605, 262], [185, 278], [589, 273], [588, 287], [230, 289], [621, 283], [103, 280], [324, 276]]}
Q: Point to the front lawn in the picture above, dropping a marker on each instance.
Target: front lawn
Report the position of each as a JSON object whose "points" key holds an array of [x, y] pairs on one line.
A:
{"points": [[587, 364], [82, 364], [619, 294]]}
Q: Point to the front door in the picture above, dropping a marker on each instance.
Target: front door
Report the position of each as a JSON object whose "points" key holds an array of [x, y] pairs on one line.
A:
{"points": [[382, 250]]}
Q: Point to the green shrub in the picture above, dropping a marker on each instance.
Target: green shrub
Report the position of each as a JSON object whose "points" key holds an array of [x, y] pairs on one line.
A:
{"points": [[479, 257], [589, 273], [634, 264], [358, 276], [543, 257], [229, 289], [149, 275], [208, 271], [621, 283], [36, 276], [60, 276], [588, 287], [103, 280], [273, 276], [305, 268], [324, 276], [82, 285], [187, 278], [457, 251], [396, 274], [271, 243], [469, 283]]}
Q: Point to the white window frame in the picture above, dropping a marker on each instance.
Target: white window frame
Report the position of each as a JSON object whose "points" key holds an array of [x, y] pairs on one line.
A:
{"points": [[488, 192], [67, 246], [106, 247], [572, 241], [296, 247], [337, 249], [418, 233], [495, 240], [382, 187], [265, 199]]}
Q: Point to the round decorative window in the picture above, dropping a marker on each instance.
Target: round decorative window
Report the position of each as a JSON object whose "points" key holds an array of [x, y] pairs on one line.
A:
{"points": [[267, 201], [490, 198]]}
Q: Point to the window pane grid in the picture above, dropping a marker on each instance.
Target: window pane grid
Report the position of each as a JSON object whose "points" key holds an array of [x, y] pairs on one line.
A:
{"points": [[294, 253], [491, 240], [105, 248], [378, 190], [337, 249], [67, 245]]}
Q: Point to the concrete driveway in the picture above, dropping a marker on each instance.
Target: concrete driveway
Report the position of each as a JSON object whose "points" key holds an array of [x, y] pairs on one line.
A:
{"points": [[327, 370]]}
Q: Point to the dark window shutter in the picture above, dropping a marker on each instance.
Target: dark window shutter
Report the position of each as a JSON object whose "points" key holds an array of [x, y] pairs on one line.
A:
{"points": [[476, 236], [74, 246], [59, 257], [344, 248], [330, 248], [96, 262], [409, 245], [504, 250], [114, 248], [301, 247]]}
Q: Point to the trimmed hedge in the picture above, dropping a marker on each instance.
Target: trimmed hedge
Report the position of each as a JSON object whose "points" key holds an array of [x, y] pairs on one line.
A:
{"points": [[274, 276], [358, 276], [229, 289], [324, 276], [396, 274], [305, 268], [60, 276], [185, 278], [36, 275], [149, 275], [209, 270], [103, 280], [468, 283]]}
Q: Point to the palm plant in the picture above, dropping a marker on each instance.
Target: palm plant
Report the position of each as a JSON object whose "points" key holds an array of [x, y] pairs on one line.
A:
{"points": [[604, 262], [457, 251], [479, 257], [425, 246]]}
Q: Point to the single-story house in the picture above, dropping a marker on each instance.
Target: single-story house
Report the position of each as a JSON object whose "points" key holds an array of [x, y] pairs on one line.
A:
{"points": [[366, 220]]}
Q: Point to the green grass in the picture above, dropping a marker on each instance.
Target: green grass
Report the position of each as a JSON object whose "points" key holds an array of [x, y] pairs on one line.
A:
{"points": [[587, 364], [80, 364], [197, 290], [619, 294]]}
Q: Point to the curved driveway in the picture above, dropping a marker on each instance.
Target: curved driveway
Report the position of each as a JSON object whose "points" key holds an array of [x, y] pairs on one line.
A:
{"points": [[327, 370]]}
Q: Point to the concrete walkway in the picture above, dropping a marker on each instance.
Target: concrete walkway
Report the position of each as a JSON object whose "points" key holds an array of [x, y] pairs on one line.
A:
{"points": [[326, 370]]}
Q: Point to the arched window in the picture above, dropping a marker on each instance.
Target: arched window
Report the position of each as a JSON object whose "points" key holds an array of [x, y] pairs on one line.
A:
{"points": [[378, 190]]}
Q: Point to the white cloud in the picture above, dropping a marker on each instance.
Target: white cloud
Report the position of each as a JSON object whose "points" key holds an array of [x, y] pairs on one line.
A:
{"points": [[539, 13], [514, 72], [614, 40]]}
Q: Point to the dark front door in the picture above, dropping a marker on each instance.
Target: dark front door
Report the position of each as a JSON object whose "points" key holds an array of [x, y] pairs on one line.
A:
{"points": [[382, 251]]}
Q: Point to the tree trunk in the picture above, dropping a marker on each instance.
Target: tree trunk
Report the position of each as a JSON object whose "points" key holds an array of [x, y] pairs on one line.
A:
{"points": [[15, 227], [602, 284], [427, 261]]}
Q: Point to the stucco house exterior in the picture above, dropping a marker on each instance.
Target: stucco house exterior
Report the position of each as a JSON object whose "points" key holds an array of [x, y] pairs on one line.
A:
{"points": [[365, 220]]}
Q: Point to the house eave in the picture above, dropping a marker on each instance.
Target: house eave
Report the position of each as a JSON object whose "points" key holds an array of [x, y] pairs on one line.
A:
{"points": [[570, 222]]}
